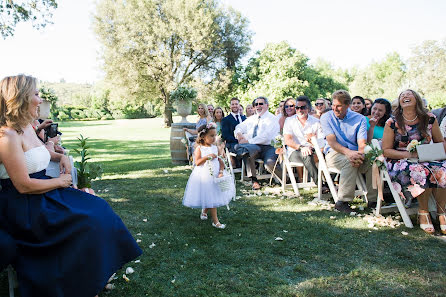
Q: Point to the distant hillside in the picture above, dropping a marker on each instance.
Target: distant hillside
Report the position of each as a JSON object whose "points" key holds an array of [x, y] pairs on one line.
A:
{"points": [[70, 93]]}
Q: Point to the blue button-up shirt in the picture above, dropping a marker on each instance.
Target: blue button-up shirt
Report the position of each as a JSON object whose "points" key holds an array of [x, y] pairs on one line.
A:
{"points": [[348, 131]]}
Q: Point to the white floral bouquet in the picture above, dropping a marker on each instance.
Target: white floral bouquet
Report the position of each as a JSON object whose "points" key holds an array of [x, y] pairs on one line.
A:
{"points": [[374, 155], [412, 146], [184, 141], [277, 142]]}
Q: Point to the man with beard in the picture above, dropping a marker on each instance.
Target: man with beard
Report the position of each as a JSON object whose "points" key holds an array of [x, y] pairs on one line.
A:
{"points": [[254, 140], [297, 132], [229, 123]]}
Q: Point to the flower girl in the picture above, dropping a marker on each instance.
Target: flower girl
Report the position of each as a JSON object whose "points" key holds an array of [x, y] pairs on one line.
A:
{"points": [[202, 190]]}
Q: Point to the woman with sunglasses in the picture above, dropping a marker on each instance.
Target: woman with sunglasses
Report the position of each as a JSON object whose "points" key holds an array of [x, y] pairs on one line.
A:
{"points": [[289, 109], [319, 107]]}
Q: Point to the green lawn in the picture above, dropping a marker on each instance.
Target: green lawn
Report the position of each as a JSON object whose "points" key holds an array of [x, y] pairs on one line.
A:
{"points": [[184, 256]]}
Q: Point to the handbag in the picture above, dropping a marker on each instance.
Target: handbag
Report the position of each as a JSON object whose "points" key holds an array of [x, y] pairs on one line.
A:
{"points": [[431, 152]]}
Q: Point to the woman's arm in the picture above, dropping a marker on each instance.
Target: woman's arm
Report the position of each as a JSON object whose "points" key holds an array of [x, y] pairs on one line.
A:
{"points": [[437, 136], [387, 146], [11, 155], [191, 131]]}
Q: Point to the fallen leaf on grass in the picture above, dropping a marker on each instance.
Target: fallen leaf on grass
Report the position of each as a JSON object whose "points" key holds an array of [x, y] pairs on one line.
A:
{"points": [[125, 278]]}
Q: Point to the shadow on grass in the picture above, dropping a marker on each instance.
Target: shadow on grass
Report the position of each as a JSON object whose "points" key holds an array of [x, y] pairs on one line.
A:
{"points": [[317, 257]]}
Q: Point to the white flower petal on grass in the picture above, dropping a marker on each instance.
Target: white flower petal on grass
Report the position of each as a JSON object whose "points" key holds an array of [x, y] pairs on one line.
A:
{"points": [[332, 218], [278, 239], [152, 245], [404, 233], [137, 261], [138, 234], [166, 171], [285, 231], [144, 220], [109, 286], [138, 240], [113, 277], [353, 213], [125, 277], [172, 281], [129, 270]]}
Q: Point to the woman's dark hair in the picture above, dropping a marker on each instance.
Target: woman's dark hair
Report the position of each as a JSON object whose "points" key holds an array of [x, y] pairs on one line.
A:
{"points": [[222, 113], [203, 130], [422, 115], [386, 116], [364, 110], [285, 103]]}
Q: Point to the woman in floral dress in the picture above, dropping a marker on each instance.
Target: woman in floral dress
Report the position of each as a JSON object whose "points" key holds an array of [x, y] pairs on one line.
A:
{"points": [[411, 121]]}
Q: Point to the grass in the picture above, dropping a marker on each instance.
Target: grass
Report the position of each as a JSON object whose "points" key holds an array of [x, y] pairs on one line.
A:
{"points": [[184, 256]]}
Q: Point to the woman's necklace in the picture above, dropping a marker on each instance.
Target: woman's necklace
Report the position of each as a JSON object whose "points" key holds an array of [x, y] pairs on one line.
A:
{"points": [[416, 117]]}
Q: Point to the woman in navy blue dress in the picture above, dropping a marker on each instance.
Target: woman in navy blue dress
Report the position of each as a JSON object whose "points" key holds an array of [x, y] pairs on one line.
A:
{"points": [[68, 242]]}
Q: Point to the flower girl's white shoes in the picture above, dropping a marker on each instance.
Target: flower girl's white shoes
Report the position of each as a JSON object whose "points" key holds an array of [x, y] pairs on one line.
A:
{"points": [[203, 216], [219, 225]]}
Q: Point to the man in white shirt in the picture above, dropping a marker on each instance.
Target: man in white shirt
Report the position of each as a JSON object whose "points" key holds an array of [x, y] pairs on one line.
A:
{"points": [[254, 137], [297, 132]]}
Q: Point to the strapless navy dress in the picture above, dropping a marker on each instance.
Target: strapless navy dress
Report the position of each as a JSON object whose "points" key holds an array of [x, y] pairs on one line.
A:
{"points": [[68, 242]]}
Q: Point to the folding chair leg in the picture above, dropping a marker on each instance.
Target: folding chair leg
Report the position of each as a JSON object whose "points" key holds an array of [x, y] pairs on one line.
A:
{"points": [[242, 175], [292, 178], [319, 183], [11, 281], [398, 201]]}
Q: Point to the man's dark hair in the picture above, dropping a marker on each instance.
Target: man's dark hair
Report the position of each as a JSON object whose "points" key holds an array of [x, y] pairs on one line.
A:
{"points": [[234, 98], [304, 99]]}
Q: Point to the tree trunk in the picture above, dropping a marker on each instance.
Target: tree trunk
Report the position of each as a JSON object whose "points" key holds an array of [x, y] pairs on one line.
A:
{"points": [[168, 115]]}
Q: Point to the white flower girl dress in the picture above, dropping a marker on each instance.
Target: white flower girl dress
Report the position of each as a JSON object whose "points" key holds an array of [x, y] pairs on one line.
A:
{"points": [[201, 189]]}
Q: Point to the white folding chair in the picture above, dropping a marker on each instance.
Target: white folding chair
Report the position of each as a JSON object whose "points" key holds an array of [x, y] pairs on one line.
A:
{"points": [[287, 168], [325, 171], [385, 177], [229, 156]]}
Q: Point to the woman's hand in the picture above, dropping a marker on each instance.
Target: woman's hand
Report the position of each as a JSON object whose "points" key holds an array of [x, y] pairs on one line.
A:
{"points": [[65, 180], [373, 121], [65, 165]]}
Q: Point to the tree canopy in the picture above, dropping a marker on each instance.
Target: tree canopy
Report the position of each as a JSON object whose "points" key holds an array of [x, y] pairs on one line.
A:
{"points": [[13, 12], [150, 47]]}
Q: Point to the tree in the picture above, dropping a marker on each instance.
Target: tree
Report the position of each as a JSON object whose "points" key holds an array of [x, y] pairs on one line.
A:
{"points": [[427, 70], [280, 71], [13, 12], [380, 79], [150, 47]]}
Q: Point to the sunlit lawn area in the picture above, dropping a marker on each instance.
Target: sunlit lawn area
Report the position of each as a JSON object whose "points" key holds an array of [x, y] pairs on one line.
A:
{"points": [[184, 256]]}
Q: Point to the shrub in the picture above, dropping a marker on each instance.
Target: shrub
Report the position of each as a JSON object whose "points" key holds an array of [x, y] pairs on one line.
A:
{"points": [[62, 116], [77, 114]]}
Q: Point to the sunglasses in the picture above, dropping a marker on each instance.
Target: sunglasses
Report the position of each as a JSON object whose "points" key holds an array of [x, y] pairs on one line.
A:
{"points": [[319, 104], [258, 103], [289, 106], [301, 107]]}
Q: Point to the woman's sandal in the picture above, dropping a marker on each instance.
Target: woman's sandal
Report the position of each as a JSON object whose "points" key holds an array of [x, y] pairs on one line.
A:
{"points": [[426, 227], [442, 227]]}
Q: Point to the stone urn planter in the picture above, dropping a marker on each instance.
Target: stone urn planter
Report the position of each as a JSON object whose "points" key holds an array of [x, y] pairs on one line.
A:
{"points": [[184, 109], [44, 109]]}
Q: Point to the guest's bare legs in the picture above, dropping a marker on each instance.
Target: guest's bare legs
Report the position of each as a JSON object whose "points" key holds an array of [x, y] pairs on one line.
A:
{"points": [[423, 202], [440, 197]]}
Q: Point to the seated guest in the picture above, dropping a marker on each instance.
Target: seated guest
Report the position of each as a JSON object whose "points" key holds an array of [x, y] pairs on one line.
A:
{"points": [[218, 117], [229, 123], [240, 109], [249, 110], [69, 242], [328, 100], [297, 133], [358, 105], [368, 105], [279, 109], [380, 112], [443, 127], [204, 119], [210, 108], [254, 137], [319, 107], [346, 135], [289, 109], [412, 121]]}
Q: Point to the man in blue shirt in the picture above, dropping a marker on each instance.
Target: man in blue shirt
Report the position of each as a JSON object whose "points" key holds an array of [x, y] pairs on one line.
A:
{"points": [[346, 135]]}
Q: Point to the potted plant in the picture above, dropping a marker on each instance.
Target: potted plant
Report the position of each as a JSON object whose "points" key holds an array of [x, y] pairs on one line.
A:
{"points": [[86, 172], [183, 97]]}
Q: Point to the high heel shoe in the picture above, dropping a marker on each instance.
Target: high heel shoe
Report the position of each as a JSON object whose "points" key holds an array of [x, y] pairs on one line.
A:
{"points": [[442, 227], [426, 227]]}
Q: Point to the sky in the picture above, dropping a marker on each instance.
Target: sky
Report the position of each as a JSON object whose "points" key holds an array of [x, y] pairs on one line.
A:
{"points": [[344, 32]]}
